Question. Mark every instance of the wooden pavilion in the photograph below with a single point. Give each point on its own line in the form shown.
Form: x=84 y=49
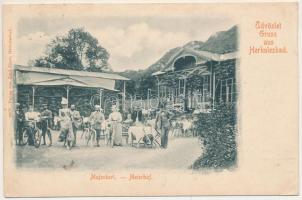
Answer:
x=37 y=85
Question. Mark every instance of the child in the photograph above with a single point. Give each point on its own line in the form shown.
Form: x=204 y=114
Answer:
x=56 y=122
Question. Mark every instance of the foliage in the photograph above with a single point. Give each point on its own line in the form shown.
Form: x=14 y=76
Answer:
x=218 y=133
x=78 y=50
x=139 y=83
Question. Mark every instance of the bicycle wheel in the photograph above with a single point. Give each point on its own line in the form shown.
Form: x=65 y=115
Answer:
x=49 y=137
x=37 y=136
x=25 y=136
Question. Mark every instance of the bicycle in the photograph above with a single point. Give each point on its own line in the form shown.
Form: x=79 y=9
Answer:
x=88 y=132
x=32 y=134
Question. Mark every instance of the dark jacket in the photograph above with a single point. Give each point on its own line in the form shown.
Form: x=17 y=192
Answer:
x=163 y=120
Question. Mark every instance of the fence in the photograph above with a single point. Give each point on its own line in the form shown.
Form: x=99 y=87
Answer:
x=146 y=104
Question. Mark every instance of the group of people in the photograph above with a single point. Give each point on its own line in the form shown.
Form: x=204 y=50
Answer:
x=32 y=118
x=71 y=121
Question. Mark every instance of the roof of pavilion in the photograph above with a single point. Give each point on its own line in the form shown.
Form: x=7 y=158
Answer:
x=40 y=76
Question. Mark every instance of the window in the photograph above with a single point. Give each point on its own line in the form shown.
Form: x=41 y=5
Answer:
x=227 y=90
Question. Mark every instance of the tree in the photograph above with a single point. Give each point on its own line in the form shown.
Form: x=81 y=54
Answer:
x=78 y=50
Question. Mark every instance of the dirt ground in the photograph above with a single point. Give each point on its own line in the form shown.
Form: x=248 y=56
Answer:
x=180 y=154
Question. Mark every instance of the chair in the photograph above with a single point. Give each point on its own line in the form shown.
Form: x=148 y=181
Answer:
x=125 y=132
x=156 y=141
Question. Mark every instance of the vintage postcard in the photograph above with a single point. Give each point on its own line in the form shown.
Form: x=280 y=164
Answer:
x=150 y=99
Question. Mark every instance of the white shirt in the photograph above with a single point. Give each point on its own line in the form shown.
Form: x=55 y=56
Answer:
x=32 y=116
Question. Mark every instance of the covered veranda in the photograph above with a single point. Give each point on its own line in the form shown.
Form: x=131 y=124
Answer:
x=189 y=79
x=38 y=78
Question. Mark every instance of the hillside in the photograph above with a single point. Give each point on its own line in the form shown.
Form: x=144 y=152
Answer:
x=220 y=42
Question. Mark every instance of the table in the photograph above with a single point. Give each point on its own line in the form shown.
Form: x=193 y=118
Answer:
x=139 y=131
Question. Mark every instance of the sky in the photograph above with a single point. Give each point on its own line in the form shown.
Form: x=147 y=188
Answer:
x=132 y=42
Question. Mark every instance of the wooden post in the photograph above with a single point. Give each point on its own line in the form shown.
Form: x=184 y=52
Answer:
x=136 y=120
x=158 y=88
x=227 y=94
x=211 y=80
x=185 y=98
x=131 y=99
x=214 y=88
x=33 y=95
x=221 y=81
x=203 y=90
x=178 y=87
x=232 y=90
x=67 y=93
x=149 y=98
x=124 y=97
x=101 y=94
x=185 y=86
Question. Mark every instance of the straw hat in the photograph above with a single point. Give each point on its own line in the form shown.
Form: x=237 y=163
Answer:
x=64 y=101
x=114 y=107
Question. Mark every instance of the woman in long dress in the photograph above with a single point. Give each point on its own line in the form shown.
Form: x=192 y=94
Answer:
x=115 y=119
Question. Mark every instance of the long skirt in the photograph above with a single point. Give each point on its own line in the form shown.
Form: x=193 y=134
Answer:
x=116 y=133
x=67 y=132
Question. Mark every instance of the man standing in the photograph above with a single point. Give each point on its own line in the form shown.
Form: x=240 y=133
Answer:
x=96 y=119
x=20 y=119
x=162 y=123
x=76 y=121
x=46 y=116
x=32 y=116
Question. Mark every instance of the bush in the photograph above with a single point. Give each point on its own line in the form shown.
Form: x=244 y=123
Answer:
x=217 y=131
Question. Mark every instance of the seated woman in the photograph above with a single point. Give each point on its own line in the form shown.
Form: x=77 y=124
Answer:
x=128 y=122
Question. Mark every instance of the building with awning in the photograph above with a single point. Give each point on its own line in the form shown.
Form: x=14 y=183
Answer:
x=192 y=79
x=33 y=78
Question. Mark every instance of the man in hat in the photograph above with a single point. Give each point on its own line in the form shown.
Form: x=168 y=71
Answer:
x=20 y=119
x=96 y=119
x=31 y=116
x=162 y=124
x=76 y=121
x=46 y=116
x=64 y=108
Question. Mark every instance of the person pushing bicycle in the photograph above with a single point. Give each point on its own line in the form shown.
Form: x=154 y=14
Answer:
x=46 y=118
x=33 y=120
